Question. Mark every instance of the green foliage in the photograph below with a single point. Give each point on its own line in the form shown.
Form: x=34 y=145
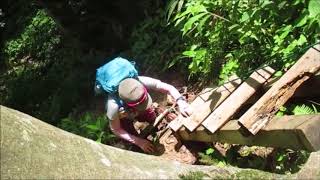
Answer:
x=45 y=74
x=39 y=38
x=298 y=109
x=154 y=46
x=304 y=109
x=283 y=161
x=239 y=36
x=288 y=161
x=89 y=126
x=212 y=157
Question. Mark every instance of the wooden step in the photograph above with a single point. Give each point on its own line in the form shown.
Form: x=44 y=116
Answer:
x=265 y=108
x=294 y=132
x=204 y=103
x=234 y=102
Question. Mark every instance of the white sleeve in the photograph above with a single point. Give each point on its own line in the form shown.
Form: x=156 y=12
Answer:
x=112 y=108
x=157 y=85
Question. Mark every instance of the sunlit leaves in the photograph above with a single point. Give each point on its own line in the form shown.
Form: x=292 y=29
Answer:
x=314 y=8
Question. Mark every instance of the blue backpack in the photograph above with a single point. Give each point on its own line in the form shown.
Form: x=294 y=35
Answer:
x=112 y=73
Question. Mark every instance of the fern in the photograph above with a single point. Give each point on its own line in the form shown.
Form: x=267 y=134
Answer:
x=303 y=109
x=315 y=109
x=173 y=5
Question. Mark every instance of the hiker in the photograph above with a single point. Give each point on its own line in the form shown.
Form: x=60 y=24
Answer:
x=130 y=100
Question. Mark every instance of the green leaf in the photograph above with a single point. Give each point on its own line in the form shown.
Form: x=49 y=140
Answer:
x=202 y=22
x=245 y=16
x=286 y=30
x=314 y=8
x=180 y=5
x=314 y=109
x=221 y=164
x=197 y=8
x=170 y=8
x=301 y=40
x=302 y=21
x=231 y=28
x=302 y=109
x=280 y=114
x=265 y=3
x=191 y=21
x=209 y=151
x=92 y=127
x=278 y=74
x=282 y=4
x=189 y=53
x=280 y=157
x=282 y=108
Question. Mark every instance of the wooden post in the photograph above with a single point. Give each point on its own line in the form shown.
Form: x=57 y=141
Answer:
x=265 y=108
x=294 y=132
x=234 y=102
x=204 y=104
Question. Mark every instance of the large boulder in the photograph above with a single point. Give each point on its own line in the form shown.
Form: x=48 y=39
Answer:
x=33 y=149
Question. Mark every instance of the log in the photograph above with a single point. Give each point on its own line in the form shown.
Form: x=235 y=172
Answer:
x=294 y=132
x=308 y=90
x=265 y=108
x=32 y=149
x=204 y=103
x=234 y=102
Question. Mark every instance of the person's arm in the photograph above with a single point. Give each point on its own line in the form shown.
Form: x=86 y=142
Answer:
x=115 y=126
x=144 y=144
x=157 y=85
x=163 y=87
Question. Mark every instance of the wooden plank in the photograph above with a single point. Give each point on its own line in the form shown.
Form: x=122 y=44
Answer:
x=234 y=102
x=265 y=108
x=214 y=100
x=204 y=103
x=294 y=132
x=308 y=90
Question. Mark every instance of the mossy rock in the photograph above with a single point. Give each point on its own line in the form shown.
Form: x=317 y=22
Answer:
x=33 y=149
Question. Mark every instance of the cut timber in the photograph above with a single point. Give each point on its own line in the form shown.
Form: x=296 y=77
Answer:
x=204 y=103
x=265 y=108
x=308 y=90
x=201 y=111
x=233 y=103
x=294 y=132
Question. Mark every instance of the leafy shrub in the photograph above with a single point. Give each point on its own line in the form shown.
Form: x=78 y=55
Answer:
x=288 y=161
x=247 y=33
x=38 y=39
x=298 y=109
x=89 y=126
x=46 y=73
x=211 y=157
x=282 y=161
x=154 y=46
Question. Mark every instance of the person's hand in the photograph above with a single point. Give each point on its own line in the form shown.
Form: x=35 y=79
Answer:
x=145 y=145
x=184 y=108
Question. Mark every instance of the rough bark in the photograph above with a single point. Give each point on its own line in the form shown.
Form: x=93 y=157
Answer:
x=265 y=108
x=32 y=149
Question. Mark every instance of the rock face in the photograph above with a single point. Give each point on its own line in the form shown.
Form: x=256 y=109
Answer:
x=33 y=149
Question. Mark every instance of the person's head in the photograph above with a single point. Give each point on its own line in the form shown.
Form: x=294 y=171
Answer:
x=134 y=94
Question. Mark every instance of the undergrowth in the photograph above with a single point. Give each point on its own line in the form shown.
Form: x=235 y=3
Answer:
x=89 y=125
